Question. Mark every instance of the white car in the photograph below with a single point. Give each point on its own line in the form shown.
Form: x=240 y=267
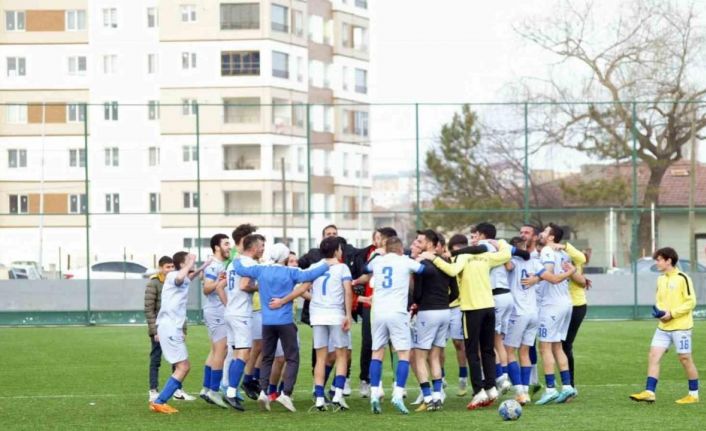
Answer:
x=112 y=270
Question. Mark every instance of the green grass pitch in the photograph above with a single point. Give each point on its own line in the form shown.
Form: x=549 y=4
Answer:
x=96 y=378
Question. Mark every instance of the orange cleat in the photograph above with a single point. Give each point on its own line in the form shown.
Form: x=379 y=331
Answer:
x=163 y=408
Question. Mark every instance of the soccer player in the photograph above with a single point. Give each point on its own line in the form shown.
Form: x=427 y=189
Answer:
x=170 y=326
x=238 y=315
x=455 y=332
x=530 y=234
x=674 y=306
x=431 y=298
x=214 y=291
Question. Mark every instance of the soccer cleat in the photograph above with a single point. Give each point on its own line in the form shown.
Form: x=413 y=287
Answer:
x=479 y=400
x=566 y=395
x=548 y=397
x=263 y=401
x=462 y=387
x=419 y=400
x=163 y=408
x=492 y=395
x=364 y=389
x=320 y=408
x=689 y=399
x=504 y=385
x=250 y=389
x=153 y=394
x=217 y=399
x=523 y=399
x=398 y=403
x=340 y=405
x=375 y=406
x=423 y=407
x=436 y=405
x=286 y=401
x=347 y=388
x=183 y=396
x=644 y=396
x=203 y=395
x=235 y=403
x=533 y=389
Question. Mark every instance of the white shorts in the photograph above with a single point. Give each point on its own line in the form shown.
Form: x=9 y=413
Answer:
x=554 y=323
x=455 y=331
x=430 y=329
x=391 y=327
x=349 y=346
x=521 y=330
x=503 y=310
x=664 y=339
x=171 y=340
x=215 y=324
x=240 y=331
x=329 y=334
x=256 y=325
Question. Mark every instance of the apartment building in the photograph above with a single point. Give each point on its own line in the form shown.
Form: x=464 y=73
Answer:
x=142 y=98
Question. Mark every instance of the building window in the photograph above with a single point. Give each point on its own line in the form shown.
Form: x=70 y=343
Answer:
x=75 y=113
x=188 y=107
x=16 y=66
x=77 y=158
x=111 y=156
x=344 y=78
x=152 y=63
x=280 y=64
x=16 y=114
x=152 y=17
x=14 y=20
x=345 y=165
x=188 y=12
x=363 y=4
x=360 y=123
x=364 y=163
x=240 y=63
x=189 y=153
x=75 y=20
x=110 y=64
x=153 y=153
x=316 y=73
x=77 y=65
x=188 y=60
x=195 y=242
x=155 y=203
x=361 y=81
x=280 y=21
x=360 y=38
x=153 y=110
x=191 y=200
x=241 y=110
x=112 y=203
x=298 y=202
x=110 y=18
x=301 y=160
x=281 y=113
x=110 y=111
x=18 y=204
x=298 y=114
x=78 y=204
x=345 y=35
x=300 y=69
x=17 y=158
x=240 y=16
x=241 y=157
x=298 y=22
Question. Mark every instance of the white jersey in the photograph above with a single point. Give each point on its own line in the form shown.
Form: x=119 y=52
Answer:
x=239 y=301
x=212 y=272
x=327 y=306
x=554 y=294
x=172 y=311
x=498 y=274
x=524 y=298
x=391 y=282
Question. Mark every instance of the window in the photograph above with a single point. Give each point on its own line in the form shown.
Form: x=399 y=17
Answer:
x=300 y=69
x=316 y=29
x=112 y=203
x=301 y=160
x=191 y=200
x=75 y=20
x=240 y=63
x=195 y=242
x=298 y=202
x=109 y=64
x=153 y=153
x=240 y=16
x=153 y=110
x=279 y=18
x=281 y=112
x=110 y=111
x=242 y=110
x=18 y=204
x=344 y=78
x=152 y=63
x=189 y=153
x=316 y=73
x=298 y=114
x=360 y=38
x=298 y=22
x=188 y=12
x=14 y=20
x=111 y=156
x=328 y=118
x=346 y=35
x=77 y=158
x=345 y=165
x=280 y=64
x=155 y=203
x=327 y=162
x=363 y=4
x=361 y=81
x=110 y=18
x=16 y=66
x=16 y=114
x=242 y=202
x=360 y=123
x=241 y=157
x=17 y=158
x=188 y=60
x=152 y=17
x=78 y=204
x=188 y=107
x=75 y=113
x=77 y=65
x=364 y=163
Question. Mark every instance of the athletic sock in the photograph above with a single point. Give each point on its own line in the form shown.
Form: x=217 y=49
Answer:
x=426 y=391
x=247 y=378
x=256 y=374
x=338 y=383
x=327 y=374
x=402 y=374
x=235 y=372
x=514 y=372
x=169 y=388
x=525 y=373
x=550 y=380
x=534 y=376
x=271 y=389
x=651 y=384
x=216 y=377
x=375 y=374
x=498 y=371
x=207 y=377
x=462 y=372
x=437 y=385
x=280 y=388
x=694 y=388
x=565 y=378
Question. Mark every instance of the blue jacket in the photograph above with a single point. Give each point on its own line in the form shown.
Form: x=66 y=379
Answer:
x=277 y=281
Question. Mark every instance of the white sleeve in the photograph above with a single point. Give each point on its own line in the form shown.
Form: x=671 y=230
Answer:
x=414 y=266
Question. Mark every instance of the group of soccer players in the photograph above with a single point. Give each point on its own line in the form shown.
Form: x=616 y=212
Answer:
x=494 y=299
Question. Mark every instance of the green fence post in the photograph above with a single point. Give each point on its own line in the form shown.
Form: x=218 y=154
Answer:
x=87 y=213
x=198 y=189
x=635 y=239
x=417 y=209
x=526 y=167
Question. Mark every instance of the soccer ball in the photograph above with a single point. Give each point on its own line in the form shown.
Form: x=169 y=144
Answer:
x=510 y=410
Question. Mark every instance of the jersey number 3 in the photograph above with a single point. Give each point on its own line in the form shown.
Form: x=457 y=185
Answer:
x=387 y=281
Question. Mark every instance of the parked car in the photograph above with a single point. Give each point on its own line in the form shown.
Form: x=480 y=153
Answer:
x=647 y=264
x=111 y=270
x=29 y=269
x=18 y=272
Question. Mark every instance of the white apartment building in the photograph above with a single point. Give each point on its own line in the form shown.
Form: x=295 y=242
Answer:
x=252 y=69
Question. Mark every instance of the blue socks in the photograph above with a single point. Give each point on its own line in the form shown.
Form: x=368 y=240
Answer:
x=533 y=355
x=565 y=377
x=339 y=382
x=526 y=373
x=498 y=370
x=426 y=389
x=256 y=374
x=513 y=369
x=375 y=372
x=216 y=377
x=280 y=389
x=235 y=372
x=549 y=379
x=206 y=376
x=462 y=372
x=694 y=385
x=327 y=373
x=402 y=373
x=247 y=378
x=271 y=389
x=437 y=385
x=319 y=391
x=169 y=388
x=651 y=384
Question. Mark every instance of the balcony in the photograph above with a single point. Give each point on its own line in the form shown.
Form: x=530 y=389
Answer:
x=241 y=157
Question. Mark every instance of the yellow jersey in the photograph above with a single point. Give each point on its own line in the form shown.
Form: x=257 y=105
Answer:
x=578 y=259
x=675 y=293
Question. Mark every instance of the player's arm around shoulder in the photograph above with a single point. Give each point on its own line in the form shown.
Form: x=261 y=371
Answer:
x=502 y=256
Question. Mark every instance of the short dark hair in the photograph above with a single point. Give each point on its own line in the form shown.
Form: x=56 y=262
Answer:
x=242 y=231
x=667 y=253
x=487 y=229
x=457 y=239
x=329 y=246
x=430 y=235
x=251 y=239
x=516 y=240
x=165 y=260
x=442 y=239
x=556 y=231
x=393 y=242
x=329 y=226
x=216 y=240
x=534 y=228
x=387 y=232
x=179 y=258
